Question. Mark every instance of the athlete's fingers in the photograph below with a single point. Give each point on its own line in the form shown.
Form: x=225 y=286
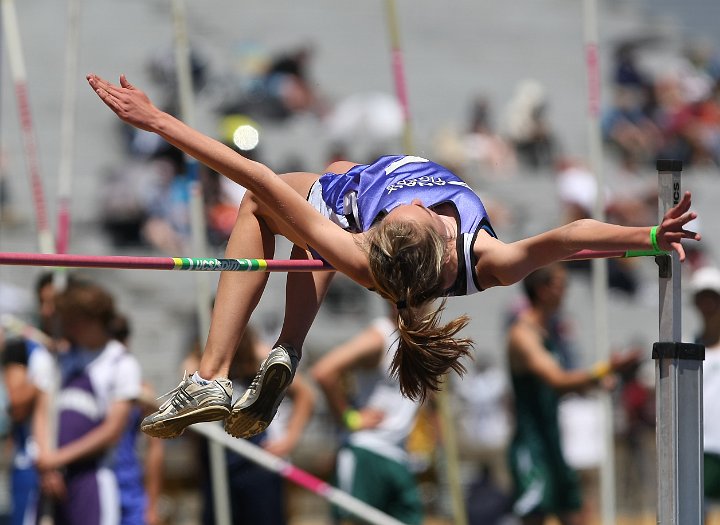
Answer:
x=109 y=100
x=687 y=217
x=124 y=82
x=97 y=81
x=678 y=247
x=101 y=86
x=681 y=207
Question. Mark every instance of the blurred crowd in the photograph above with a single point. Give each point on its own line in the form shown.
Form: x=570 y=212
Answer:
x=89 y=463
x=670 y=113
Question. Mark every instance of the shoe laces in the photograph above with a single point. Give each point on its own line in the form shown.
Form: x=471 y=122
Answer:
x=172 y=393
x=256 y=379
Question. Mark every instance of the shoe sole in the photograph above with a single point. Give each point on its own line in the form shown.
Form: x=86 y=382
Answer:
x=175 y=426
x=251 y=420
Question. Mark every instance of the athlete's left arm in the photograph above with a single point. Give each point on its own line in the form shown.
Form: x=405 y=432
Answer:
x=502 y=264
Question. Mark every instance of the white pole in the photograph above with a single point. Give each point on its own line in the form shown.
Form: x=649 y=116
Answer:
x=17 y=70
x=218 y=464
x=599 y=266
x=67 y=132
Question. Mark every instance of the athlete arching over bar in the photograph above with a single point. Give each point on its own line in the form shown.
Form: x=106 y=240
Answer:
x=403 y=226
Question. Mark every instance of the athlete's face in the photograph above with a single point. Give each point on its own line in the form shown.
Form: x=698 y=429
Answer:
x=415 y=211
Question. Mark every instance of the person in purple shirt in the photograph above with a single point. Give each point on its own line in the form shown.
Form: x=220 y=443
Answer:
x=99 y=380
x=402 y=226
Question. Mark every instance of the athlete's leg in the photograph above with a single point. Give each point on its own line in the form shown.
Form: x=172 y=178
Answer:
x=304 y=293
x=255 y=410
x=238 y=294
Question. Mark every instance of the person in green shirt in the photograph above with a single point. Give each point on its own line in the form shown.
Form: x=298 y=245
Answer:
x=544 y=484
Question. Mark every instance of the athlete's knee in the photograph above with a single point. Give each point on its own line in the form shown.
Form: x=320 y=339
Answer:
x=252 y=206
x=249 y=203
x=340 y=166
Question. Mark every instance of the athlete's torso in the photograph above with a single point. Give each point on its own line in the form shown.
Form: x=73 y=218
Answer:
x=368 y=192
x=395 y=180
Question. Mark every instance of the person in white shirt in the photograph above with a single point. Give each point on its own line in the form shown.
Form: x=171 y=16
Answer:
x=99 y=380
x=705 y=290
x=372 y=463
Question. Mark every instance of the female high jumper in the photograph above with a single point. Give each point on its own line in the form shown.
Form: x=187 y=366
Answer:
x=403 y=226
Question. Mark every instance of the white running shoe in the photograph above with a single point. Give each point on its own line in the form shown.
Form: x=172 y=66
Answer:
x=255 y=410
x=190 y=403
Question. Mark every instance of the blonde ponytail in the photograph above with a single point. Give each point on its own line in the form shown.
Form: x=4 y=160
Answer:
x=427 y=350
x=406 y=263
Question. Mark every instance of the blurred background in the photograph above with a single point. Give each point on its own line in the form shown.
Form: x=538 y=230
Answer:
x=497 y=91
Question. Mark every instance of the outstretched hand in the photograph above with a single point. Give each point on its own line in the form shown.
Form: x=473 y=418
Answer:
x=129 y=103
x=672 y=228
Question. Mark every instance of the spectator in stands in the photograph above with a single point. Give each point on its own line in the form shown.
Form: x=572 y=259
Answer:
x=99 y=379
x=705 y=290
x=577 y=192
x=140 y=482
x=527 y=127
x=544 y=483
x=372 y=463
x=21 y=359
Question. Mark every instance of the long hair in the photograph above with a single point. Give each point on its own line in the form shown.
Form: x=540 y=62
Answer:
x=88 y=301
x=406 y=261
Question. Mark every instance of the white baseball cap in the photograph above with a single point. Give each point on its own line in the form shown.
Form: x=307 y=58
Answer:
x=705 y=279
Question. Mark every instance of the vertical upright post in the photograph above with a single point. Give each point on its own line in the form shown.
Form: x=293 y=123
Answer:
x=678 y=380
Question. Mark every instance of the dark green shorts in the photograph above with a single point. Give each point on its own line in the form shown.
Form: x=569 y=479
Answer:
x=712 y=476
x=544 y=483
x=378 y=481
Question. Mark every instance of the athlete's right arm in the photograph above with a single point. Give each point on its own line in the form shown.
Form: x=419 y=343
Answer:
x=336 y=245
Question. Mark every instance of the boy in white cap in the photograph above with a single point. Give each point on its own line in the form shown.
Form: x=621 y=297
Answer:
x=705 y=289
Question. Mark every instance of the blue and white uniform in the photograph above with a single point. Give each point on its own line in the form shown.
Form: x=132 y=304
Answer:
x=24 y=478
x=91 y=381
x=129 y=472
x=356 y=200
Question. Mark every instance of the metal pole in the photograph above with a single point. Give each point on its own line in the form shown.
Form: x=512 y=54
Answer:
x=212 y=264
x=678 y=379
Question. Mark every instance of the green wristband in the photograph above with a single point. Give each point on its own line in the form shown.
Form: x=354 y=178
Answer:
x=653 y=239
x=352 y=419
